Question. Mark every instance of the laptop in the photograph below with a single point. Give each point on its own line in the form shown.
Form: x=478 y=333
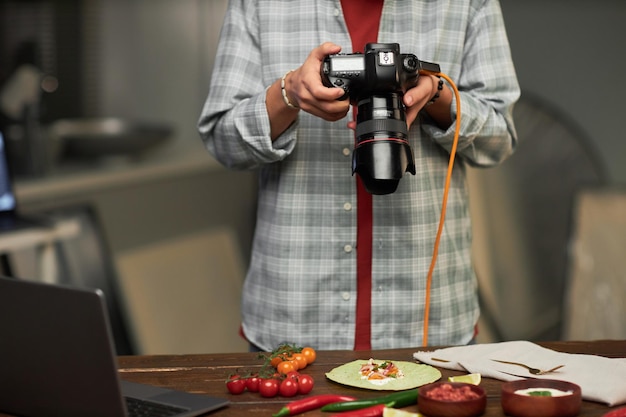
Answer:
x=10 y=219
x=57 y=358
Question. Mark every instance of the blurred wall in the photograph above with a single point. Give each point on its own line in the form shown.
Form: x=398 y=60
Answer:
x=570 y=52
x=568 y=64
x=162 y=51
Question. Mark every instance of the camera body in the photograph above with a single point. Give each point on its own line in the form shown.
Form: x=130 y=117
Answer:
x=381 y=69
x=376 y=81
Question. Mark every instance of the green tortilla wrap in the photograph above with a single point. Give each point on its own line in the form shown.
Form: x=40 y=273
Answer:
x=415 y=375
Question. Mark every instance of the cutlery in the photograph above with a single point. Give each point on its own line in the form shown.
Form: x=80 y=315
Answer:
x=532 y=370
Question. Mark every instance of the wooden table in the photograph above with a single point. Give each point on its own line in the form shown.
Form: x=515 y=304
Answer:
x=206 y=374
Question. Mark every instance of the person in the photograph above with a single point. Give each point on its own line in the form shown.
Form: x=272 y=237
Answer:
x=332 y=266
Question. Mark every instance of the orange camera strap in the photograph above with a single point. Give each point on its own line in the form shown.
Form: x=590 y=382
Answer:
x=442 y=216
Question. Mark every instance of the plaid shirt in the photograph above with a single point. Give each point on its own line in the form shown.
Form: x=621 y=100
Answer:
x=301 y=284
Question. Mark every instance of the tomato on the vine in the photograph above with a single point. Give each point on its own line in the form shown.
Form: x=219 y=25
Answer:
x=288 y=387
x=285 y=367
x=235 y=384
x=252 y=383
x=305 y=384
x=300 y=359
x=276 y=360
x=310 y=354
x=293 y=375
x=269 y=387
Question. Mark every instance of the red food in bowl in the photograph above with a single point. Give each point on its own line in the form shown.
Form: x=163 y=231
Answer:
x=451 y=399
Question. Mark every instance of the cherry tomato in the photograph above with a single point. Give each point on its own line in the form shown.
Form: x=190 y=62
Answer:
x=288 y=388
x=252 y=383
x=305 y=384
x=295 y=363
x=293 y=375
x=300 y=359
x=275 y=361
x=310 y=354
x=268 y=387
x=285 y=367
x=236 y=385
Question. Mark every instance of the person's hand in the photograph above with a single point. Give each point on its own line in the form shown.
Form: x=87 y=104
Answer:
x=305 y=89
x=417 y=97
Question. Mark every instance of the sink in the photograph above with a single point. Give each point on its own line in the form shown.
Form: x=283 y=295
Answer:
x=103 y=137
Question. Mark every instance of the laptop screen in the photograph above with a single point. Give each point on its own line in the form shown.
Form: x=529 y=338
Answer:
x=7 y=197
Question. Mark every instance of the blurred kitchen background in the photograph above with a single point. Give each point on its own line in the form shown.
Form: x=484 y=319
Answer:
x=99 y=101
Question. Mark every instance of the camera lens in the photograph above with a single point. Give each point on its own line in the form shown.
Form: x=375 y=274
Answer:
x=382 y=152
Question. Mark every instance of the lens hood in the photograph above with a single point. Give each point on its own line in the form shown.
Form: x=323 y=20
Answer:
x=381 y=163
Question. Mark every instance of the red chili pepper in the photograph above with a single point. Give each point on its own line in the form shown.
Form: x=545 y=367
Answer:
x=311 y=403
x=373 y=411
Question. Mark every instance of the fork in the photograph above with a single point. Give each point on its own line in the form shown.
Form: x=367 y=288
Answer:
x=532 y=370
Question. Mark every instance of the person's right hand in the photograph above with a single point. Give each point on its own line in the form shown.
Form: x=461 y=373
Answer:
x=304 y=87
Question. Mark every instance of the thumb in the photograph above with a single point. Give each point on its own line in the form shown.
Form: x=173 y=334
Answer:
x=327 y=48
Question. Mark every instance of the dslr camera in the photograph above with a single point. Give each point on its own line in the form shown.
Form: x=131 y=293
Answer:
x=376 y=81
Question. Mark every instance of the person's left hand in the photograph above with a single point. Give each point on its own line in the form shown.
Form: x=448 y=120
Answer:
x=417 y=97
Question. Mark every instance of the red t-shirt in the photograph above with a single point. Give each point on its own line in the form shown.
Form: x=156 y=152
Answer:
x=363 y=19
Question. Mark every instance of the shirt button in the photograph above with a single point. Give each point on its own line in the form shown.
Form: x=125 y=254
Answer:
x=336 y=12
x=346 y=151
x=347 y=248
x=347 y=206
x=345 y=295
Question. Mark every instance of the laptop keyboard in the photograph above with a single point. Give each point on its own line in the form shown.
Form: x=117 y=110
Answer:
x=143 y=408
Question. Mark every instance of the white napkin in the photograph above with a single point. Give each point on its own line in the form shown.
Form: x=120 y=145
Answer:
x=600 y=379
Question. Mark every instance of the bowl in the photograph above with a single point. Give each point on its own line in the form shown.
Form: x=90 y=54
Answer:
x=450 y=399
x=517 y=404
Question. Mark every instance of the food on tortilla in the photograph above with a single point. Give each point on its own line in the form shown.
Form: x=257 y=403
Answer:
x=413 y=374
x=380 y=371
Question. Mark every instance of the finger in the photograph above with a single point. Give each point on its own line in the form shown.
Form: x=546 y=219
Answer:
x=422 y=92
x=327 y=48
x=327 y=93
x=411 y=115
x=331 y=111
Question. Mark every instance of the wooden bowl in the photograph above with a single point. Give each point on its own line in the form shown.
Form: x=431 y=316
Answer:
x=435 y=407
x=522 y=405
